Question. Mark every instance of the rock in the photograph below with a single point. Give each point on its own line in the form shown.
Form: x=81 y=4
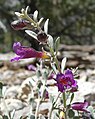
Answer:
x=11 y=92
x=26 y=87
x=11 y=104
x=6 y=75
x=22 y=112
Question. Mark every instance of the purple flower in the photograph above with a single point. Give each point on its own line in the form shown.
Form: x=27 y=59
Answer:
x=74 y=88
x=24 y=52
x=31 y=67
x=80 y=106
x=66 y=81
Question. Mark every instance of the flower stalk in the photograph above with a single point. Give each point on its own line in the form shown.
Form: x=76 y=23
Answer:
x=37 y=108
x=40 y=99
x=53 y=106
x=64 y=103
x=50 y=112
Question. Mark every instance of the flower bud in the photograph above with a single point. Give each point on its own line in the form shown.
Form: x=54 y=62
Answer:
x=62 y=115
x=20 y=24
x=42 y=37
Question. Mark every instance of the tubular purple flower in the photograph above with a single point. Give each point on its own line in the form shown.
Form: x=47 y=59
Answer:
x=80 y=106
x=66 y=81
x=24 y=52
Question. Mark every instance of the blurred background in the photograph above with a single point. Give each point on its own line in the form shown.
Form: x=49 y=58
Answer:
x=72 y=20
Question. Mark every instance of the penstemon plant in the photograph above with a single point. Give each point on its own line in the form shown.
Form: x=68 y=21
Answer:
x=62 y=105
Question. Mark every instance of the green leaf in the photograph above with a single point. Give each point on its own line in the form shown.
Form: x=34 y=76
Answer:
x=46 y=26
x=72 y=97
x=35 y=15
x=63 y=63
x=92 y=111
x=57 y=42
x=71 y=113
x=31 y=33
x=38 y=73
x=45 y=74
x=40 y=21
x=1 y=87
x=50 y=41
x=54 y=68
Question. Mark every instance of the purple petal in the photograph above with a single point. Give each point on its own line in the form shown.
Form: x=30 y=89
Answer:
x=15 y=59
x=60 y=76
x=60 y=88
x=68 y=73
x=16 y=46
x=31 y=67
x=74 y=89
x=81 y=106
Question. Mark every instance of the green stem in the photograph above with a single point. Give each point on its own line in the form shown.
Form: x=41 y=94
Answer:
x=64 y=99
x=50 y=112
x=56 y=99
x=40 y=100
x=64 y=103
x=55 y=59
x=37 y=108
x=32 y=21
x=57 y=64
x=52 y=106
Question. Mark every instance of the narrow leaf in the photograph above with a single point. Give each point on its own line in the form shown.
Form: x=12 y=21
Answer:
x=50 y=41
x=26 y=10
x=63 y=64
x=40 y=21
x=31 y=33
x=54 y=68
x=72 y=97
x=18 y=14
x=57 y=42
x=22 y=11
x=35 y=15
x=46 y=26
